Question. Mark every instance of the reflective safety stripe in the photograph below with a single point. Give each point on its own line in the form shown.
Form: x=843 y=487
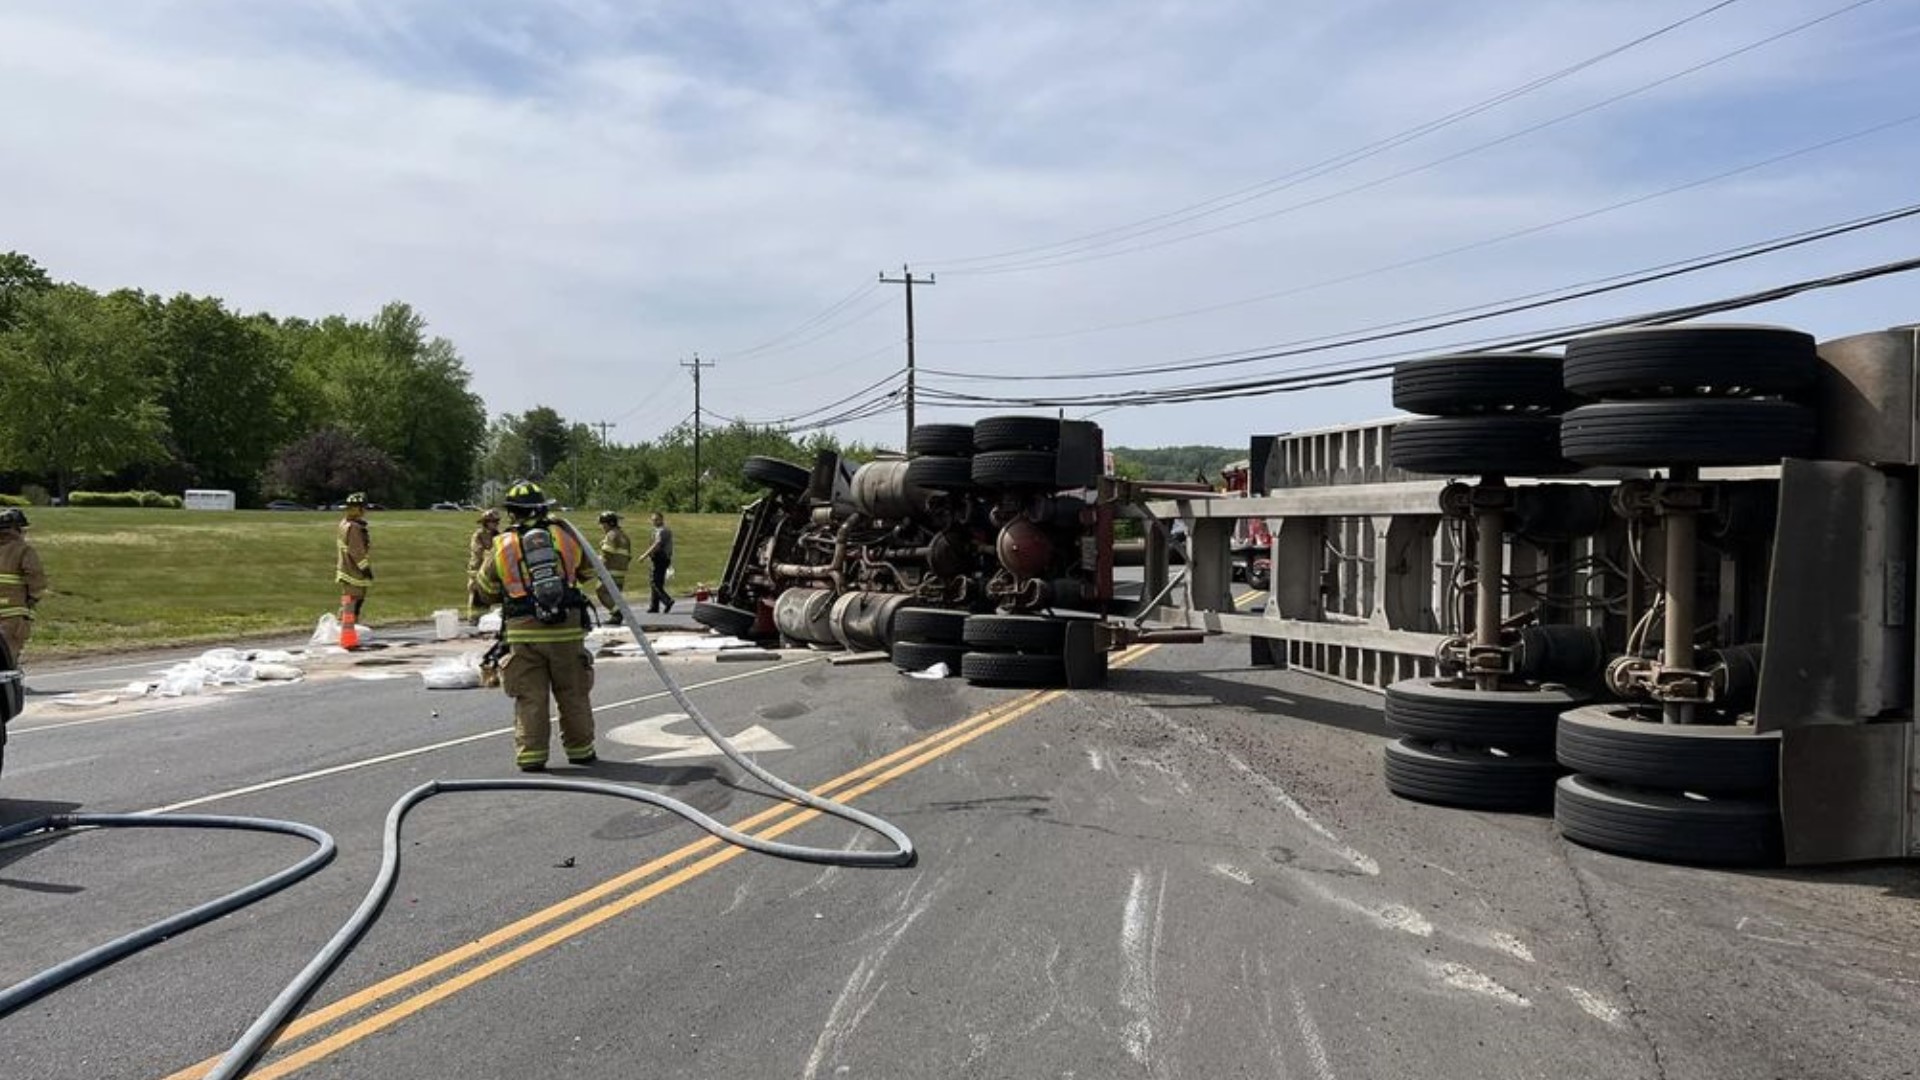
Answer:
x=12 y=579
x=540 y=634
x=530 y=757
x=345 y=578
x=17 y=613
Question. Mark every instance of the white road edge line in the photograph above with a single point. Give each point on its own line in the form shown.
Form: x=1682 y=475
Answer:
x=383 y=759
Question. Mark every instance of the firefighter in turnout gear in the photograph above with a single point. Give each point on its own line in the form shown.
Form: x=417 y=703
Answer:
x=616 y=550
x=539 y=573
x=354 y=570
x=479 y=549
x=22 y=583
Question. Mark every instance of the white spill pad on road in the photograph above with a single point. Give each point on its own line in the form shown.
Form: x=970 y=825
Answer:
x=210 y=672
x=678 y=643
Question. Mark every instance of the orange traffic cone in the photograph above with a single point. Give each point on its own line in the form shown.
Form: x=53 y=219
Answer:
x=349 y=633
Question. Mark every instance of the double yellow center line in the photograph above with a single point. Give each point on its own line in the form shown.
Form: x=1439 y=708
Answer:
x=586 y=910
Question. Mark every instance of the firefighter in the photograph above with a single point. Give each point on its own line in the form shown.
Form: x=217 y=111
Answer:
x=22 y=582
x=541 y=576
x=616 y=550
x=479 y=547
x=354 y=571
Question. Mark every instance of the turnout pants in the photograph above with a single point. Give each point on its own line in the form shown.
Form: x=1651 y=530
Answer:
x=16 y=629
x=531 y=672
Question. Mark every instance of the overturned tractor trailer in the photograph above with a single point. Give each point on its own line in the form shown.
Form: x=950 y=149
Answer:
x=990 y=548
x=1662 y=583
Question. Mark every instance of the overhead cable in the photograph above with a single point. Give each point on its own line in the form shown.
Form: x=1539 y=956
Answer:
x=1338 y=161
x=1372 y=368
x=1092 y=253
x=1475 y=313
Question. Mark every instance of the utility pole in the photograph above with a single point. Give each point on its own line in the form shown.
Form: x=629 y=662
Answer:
x=906 y=278
x=696 y=365
x=600 y=473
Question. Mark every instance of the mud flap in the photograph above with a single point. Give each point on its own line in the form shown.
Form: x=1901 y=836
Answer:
x=1084 y=654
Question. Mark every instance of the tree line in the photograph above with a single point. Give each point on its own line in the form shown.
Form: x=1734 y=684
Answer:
x=127 y=390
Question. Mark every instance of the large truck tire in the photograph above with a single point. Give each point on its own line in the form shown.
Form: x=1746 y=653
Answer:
x=1014 y=669
x=1493 y=445
x=1447 y=710
x=776 y=475
x=1475 y=383
x=1016 y=633
x=1471 y=778
x=1667 y=826
x=1687 y=431
x=731 y=621
x=1614 y=742
x=1691 y=361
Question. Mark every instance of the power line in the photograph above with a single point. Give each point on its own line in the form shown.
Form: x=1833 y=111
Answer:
x=786 y=421
x=819 y=317
x=1345 y=158
x=1380 y=367
x=1478 y=312
x=1475 y=245
x=812 y=374
x=1091 y=254
x=825 y=332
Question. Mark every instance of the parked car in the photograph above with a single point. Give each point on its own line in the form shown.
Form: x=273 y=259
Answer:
x=446 y=506
x=287 y=504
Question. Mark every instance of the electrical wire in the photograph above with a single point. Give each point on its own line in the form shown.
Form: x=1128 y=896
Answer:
x=1075 y=259
x=1435 y=256
x=797 y=417
x=811 y=373
x=1479 y=312
x=1373 y=368
x=1341 y=160
x=822 y=334
x=837 y=306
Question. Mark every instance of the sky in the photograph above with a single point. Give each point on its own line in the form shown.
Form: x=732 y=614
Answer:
x=585 y=195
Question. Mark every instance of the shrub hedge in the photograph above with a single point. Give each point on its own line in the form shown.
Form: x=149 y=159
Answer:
x=151 y=499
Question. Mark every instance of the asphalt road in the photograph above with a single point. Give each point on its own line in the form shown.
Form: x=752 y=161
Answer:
x=1192 y=873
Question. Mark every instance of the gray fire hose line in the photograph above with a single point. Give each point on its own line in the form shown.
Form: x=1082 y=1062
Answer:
x=59 y=975
x=239 y=1059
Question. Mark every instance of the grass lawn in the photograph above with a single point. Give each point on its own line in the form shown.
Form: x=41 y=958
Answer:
x=121 y=578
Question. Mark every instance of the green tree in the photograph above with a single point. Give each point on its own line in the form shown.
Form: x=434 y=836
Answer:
x=547 y=437
x=324 y=465
x=77 y=389
x=222 y=375
x=1184 y=464
x=20 y=277
x=384 y=383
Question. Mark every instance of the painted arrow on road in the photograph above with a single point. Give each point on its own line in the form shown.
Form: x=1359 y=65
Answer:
x=652 y=734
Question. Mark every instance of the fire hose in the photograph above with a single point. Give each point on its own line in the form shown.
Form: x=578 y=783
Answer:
x=245 y=1051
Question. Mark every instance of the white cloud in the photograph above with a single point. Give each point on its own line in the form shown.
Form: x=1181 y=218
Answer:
x=581 y=200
